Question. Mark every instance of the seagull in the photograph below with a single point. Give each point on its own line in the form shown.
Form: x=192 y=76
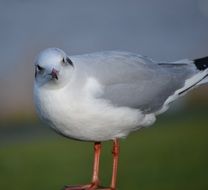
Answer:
x=106 y=95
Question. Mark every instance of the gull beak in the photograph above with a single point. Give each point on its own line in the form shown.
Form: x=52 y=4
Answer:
x=54 y=74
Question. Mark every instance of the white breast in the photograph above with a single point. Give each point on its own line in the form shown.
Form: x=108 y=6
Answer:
x=80 y=115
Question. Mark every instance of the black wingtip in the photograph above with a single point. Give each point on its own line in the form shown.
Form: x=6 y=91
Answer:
x=201 y=63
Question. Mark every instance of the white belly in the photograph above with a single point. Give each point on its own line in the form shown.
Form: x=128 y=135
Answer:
x=87 y=118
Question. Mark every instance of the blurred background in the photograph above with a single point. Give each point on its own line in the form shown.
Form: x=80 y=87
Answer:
x=171 y=155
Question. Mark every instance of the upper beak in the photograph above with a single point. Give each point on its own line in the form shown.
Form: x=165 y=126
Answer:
x=54 y=73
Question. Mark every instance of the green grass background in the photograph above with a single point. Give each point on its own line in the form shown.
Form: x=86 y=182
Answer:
x=172 y=155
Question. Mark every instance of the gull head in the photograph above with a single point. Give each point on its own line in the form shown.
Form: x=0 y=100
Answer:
x=53 y=68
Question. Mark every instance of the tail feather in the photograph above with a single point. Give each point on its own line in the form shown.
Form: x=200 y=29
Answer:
x=201 y=63
x=200 y=77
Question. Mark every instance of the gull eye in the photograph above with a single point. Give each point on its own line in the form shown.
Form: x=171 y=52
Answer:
x=39 y=68
x=67 y=61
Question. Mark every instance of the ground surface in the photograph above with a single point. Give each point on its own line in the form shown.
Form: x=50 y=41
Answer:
x=171 y=155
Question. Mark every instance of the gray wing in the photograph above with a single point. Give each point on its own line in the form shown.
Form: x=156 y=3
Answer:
x=135 y=81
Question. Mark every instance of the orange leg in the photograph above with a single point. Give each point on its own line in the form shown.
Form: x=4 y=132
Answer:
x=115 y=153
x=95 y=177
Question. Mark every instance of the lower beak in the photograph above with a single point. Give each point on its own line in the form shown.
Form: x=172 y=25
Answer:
x=54 y=74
